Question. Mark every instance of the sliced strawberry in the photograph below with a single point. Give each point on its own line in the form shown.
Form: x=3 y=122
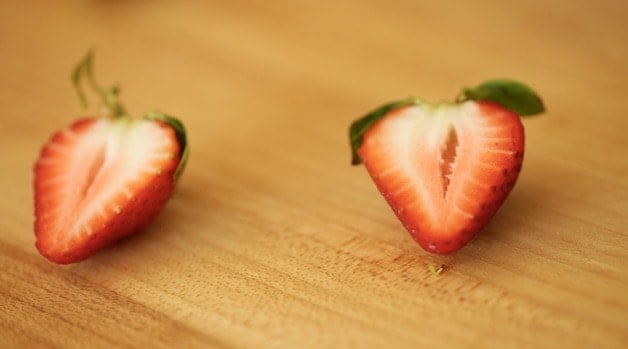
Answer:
x=103 y=178
x=444 y=170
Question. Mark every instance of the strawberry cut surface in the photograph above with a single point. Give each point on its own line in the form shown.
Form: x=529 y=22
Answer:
x=446 y=169
x=100 y=180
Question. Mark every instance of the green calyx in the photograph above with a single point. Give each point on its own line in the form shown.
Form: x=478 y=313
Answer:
x=113 y=109
x=180 y=133
x=510 y=94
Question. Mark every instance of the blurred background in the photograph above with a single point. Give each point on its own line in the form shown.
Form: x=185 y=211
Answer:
x=227 y=66
x=267 y=90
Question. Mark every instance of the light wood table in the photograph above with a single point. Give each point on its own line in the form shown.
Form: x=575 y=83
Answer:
x=272 y=239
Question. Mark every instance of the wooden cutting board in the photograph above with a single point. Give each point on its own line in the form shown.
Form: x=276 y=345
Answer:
x=272 y=239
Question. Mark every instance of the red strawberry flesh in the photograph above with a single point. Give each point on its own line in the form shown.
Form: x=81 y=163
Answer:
x=100 y=180
x=445 y=170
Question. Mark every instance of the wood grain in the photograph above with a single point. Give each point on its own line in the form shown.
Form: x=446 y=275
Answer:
x=272 y=239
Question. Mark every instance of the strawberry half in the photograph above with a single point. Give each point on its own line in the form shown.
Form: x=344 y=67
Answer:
x=104 y=178
x=446 y=169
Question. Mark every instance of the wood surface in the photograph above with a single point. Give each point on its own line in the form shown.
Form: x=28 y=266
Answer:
x=272 y=239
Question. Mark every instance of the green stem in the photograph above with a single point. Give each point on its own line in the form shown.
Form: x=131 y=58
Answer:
x=462 y=96
x=109 y=96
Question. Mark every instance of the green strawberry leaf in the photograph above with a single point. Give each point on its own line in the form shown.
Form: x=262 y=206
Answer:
x=358 y=127
x=180 y=133
x=511 y=94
